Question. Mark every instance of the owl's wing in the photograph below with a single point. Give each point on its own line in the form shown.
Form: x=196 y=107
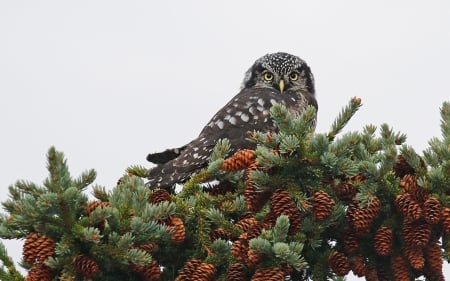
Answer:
x=246 y=112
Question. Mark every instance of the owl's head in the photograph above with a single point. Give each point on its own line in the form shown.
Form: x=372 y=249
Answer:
x=282 y=72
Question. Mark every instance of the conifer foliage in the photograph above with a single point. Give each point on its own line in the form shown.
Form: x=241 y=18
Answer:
x=301 y=206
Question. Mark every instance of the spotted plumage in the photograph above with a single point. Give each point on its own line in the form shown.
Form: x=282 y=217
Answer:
x=273 y=78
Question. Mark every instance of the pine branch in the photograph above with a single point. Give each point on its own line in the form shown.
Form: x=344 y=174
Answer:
x=344 y=116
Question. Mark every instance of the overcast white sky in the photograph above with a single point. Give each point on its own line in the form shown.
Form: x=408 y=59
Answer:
x=106 y=82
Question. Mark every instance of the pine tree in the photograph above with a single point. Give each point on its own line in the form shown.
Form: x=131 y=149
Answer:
x=302 y=205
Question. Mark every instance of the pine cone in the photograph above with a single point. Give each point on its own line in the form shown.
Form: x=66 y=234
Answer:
x=338 y=262
x=245 y=224
x=408 y=207
x=179 y=232
x=344 y=191
x=188 y=270
x=383 y=241
x=254 y=199
x=92 y=205
x=402 y=168
x=269 y=274
x=282 y=204
x=236 y=272
x=40 y=272
x=432 y=210
x=239 y=160
x=362 y=218
x=254 y=231
x=149 y=247
x=38 y=248
x=152 y=271
x=433 y=262
x=219 y=233
x=445 y=218
x=253 y=258
x=85 y=266
x=220 y=189
x=358 y=266
x=160 y=195
x=409 y=183
x=415 y=256
x=400 y=269
x=371 y=273
x=204 y=272
x=416 y=233
x=322 y=205
x=350 y=241
x=239 y=249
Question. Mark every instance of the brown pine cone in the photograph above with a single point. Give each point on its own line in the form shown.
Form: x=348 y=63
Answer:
x=383 y=241
x=432 y=210
x=204 y=272
x=253 y=258
x=400 y=269
x=409 y=183
x=220 y=189
x=30 y=247
x=433 y=262
x=150 y=272
x=92 y=205
x=445 y=218
x=322 y=205
x=179 y=231
x=38 y=248
x=282 y=204
x=408 y=207
x=269 y=274
x=371 y=273
x=338 y=262
x=362 y=218
x=85 y=266
x=239 y=160
x=402 y=168
x=350 y=241
x=344 y=191
x=358 y=266
x=239 y=249
x=415 y=256
x=246 y=224
x=160 y=195
x=254 y=198
x=416 y=233
x=149 y=247
x=40 y=272
x=219 y=233
x=236 y=272
x=188 y=270
x=254 y=231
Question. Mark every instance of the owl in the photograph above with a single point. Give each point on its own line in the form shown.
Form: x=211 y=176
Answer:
x=274 y=78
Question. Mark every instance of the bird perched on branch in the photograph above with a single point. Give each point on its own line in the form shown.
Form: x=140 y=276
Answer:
x=274 y=78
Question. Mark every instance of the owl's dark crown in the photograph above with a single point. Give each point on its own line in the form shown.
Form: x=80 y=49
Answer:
x=280 y=63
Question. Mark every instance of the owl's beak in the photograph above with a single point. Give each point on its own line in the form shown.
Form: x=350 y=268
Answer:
x=281 y=85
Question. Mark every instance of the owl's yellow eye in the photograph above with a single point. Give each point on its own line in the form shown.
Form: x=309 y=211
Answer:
x=268 y=76
x=293 y=76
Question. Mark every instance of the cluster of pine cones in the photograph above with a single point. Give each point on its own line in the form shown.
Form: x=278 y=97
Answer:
x=377 y=245
x=399 y=244
x=38 y=248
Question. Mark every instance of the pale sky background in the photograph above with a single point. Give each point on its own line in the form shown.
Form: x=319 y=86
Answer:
x=106 y=82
